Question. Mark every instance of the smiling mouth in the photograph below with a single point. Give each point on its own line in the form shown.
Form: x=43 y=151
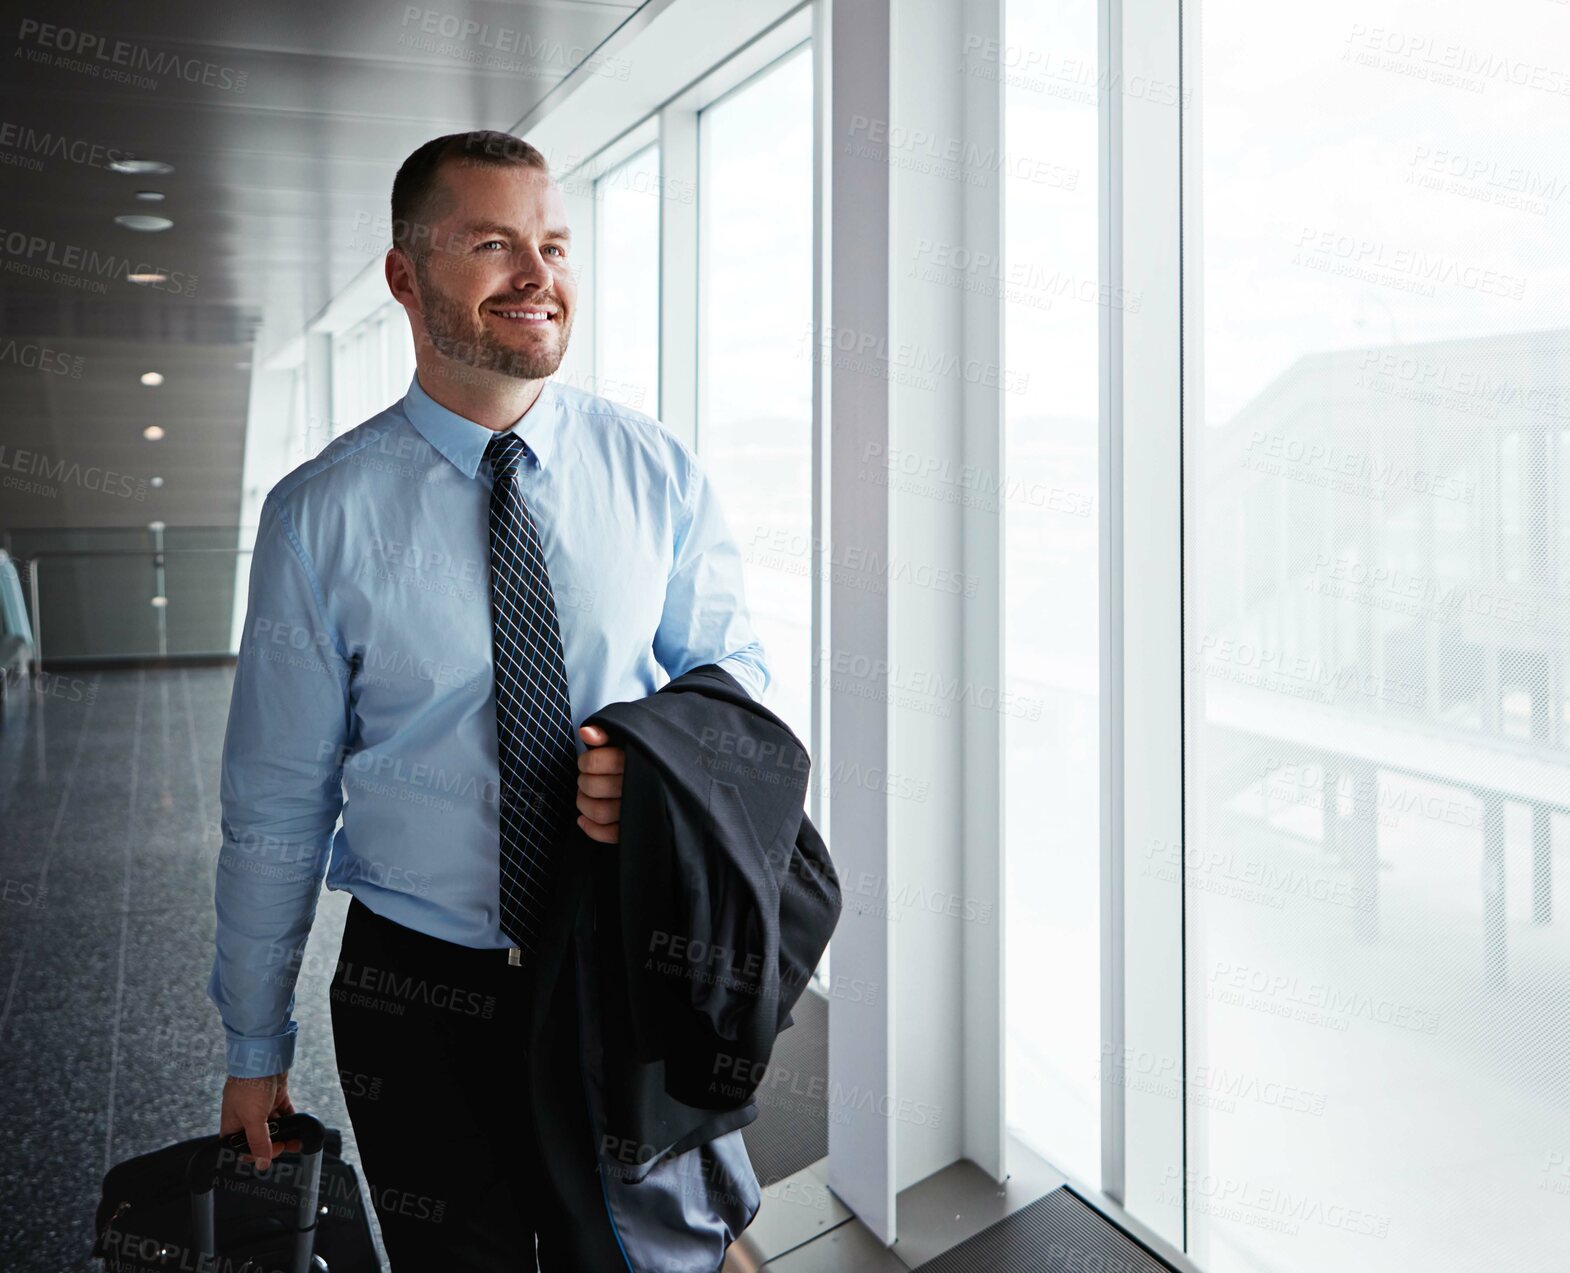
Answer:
x=525 y=316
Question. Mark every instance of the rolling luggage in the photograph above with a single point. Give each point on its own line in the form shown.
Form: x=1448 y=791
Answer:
x=167 y=1210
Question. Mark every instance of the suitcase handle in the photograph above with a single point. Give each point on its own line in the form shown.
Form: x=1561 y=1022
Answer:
x=202 y=1171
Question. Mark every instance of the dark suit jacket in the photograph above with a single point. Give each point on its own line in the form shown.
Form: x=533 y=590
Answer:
x=708 y=917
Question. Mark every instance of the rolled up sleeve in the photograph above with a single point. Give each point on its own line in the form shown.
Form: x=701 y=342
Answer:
x=281 y=793
x=706 y=619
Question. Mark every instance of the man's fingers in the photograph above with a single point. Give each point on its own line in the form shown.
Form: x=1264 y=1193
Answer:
x=601 y=811
x=601 y=786
x=600 y=771
x=605 y=833
x=261 y=1145
x=603 y=760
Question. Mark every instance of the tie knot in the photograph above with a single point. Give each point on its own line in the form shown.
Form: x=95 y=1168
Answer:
x=503 y=452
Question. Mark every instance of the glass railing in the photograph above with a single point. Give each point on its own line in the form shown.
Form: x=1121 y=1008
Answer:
x=132 y=592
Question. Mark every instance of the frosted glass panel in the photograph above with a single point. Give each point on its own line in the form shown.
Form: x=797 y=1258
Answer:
x=627 y=306
x=755 y=380
x=1048 y=504
x=1378 y=950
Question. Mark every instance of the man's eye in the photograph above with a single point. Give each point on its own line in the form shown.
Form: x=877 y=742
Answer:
x=554 y=248
x=490 y=242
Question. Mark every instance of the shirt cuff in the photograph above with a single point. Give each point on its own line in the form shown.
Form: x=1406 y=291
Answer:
x=746 y=671
x=261 y=1058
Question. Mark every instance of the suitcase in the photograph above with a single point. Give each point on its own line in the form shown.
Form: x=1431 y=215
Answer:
x=167 y=1210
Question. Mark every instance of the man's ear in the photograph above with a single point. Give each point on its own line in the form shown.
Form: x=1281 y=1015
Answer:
x=399 y=272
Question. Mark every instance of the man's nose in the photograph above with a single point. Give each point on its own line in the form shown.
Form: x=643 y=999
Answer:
x=529 y=266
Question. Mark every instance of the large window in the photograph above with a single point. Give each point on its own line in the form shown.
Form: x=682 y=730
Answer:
x=1377 y=950
x=372 y=364
x=1048 y=504
x=754 y=369
x=627 y=288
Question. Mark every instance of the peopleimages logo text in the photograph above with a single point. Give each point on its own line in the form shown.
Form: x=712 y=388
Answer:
x=36 y=251
x=90 y=477
x=128 y=55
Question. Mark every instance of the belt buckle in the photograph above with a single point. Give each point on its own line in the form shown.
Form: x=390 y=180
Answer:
x=514 y=957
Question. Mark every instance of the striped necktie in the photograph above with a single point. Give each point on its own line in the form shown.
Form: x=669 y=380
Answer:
x=536 y=749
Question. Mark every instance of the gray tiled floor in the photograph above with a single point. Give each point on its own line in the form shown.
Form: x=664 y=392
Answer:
x=109 y=1046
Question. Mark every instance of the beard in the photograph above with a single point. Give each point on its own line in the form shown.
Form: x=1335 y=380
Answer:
x=457 y=333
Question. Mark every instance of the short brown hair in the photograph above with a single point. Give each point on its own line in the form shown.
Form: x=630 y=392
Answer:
x=415 y=188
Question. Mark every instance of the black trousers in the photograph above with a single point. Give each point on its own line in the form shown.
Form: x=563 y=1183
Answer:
x=430 y=1039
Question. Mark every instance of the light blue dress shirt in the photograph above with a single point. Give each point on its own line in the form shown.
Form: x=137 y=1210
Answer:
x=364 y=684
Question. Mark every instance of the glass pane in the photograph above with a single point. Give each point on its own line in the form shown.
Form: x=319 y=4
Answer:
x=755 y=381
x=342 y=380
x=199 y=588
x=123 y=592
x=627 y=308
x=1052 y=781
x=1378 y=798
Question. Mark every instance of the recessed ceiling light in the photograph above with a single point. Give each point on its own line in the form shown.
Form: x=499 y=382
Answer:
x=147 y=277
x=155 y=481
x=142 y=167
x=155 y=526
x=153 y=432
x=160 y=602
x=140 y=221
x=150 y=196
x=152 y=378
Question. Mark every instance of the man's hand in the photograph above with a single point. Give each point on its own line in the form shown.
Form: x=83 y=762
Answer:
x=599 y=786
x=250 y=1103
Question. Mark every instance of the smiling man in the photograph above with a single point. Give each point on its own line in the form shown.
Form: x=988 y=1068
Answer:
x=437 y=601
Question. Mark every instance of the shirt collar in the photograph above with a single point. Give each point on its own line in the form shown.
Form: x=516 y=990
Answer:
x=463 y=441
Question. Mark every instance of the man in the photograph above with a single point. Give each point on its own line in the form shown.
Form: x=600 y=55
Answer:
x=437 y=601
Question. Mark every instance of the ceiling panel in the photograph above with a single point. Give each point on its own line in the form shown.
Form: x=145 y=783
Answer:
x=285 y=123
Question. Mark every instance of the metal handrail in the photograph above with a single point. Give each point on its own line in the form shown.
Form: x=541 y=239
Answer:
x=76 y=530
x=127 y=552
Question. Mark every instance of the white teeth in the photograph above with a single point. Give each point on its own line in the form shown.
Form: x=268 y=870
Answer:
x=535 y=315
